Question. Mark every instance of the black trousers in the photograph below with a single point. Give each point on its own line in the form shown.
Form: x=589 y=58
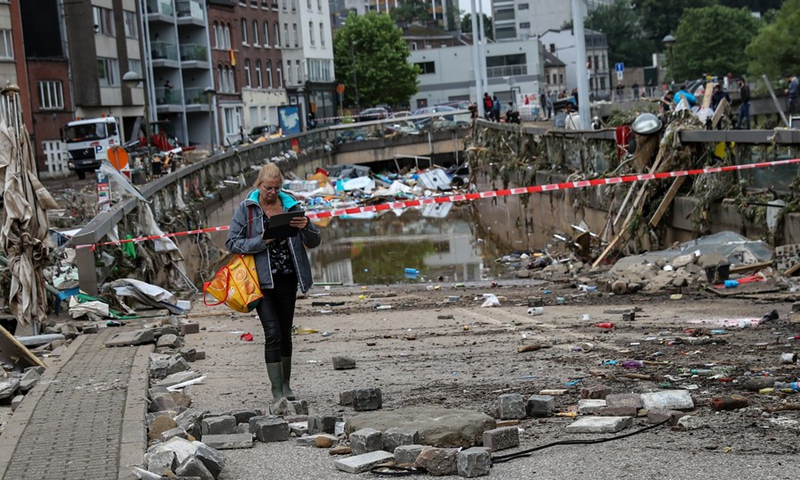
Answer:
x=276 y=312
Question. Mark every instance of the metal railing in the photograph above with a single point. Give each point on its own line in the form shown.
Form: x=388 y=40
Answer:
x=190 y=9
x=168 y=96
x=506 y=71
x=163 y=51
x=164 y=7
x=193 y=52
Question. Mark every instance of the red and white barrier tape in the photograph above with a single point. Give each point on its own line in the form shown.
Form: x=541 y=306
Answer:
x=467 y=197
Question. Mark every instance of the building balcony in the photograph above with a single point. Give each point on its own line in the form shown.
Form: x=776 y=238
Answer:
x=160 y=10
x=501 y=16
x=168 y=100
x=163 y=51
x=506 y=71
x=196 y=100
x=190 y=12
x=192 y=52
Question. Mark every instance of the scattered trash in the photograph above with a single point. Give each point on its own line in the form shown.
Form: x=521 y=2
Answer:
x=788 y=358
x=535 y=311
x=605 y=325
x=247 y=337
x=491 y=300
x=411 y=273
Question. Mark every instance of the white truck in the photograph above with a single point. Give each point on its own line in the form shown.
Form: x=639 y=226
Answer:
x=88 y=141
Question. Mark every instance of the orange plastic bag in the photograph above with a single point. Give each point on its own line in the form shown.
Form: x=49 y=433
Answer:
x=235 y=285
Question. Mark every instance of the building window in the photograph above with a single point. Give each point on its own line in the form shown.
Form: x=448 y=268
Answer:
x=286 y=34
x=311 y=32
x=231 y=120
x=560 y=78
x=226 y=37
x=247 y=73
x=525 y=25
x=319 y=5
x=266 y=34
x=322 y=34
x=135 y=66
x=231 y=80
x=268 y=71
x=280 y=74
x=221 y=80
x=296 y=39
x=222 y=37
x=426 y=67
x=103 y=21
x=130 y=24
x=309 y=4
x=255 y=33
x=259 y=81
x=6 y=45
x=289 y=76
x=522 y=6
x=294 y=5
x=299 y=71
x=244 y=32
x=414 y=46
x=277 y=39
x=283 y=5
x=108 y=72
x=51 y=95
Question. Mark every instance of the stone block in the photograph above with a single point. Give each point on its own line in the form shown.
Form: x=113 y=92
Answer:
x=365 y=399
x=16 y=401
x=690 y=422
x=173 y=432
x=91 y=328
x=164 y=330
x=595 y=392
x=312 y=440
x=501 y=438
x=160 y=425
x=183 y=448
x=540 y=405
x=347 y=398
x=212 y=458
x=189 y=328
x=8 y=388
x=366 y=440
x=322 y=424
x=244 y=416
x=169 y=341
x=177 y=364
x=474 y=462
x=272 y=430
x=298 y=429
x=29 y=379
x=163 y=402
x=362 y=463
x=229 y=442
x=397 y=436
x=69 y=331
x=668 y=400
x=624 y=400
x=510 y=406
x=161 y=463
x=590 y=405
x=127 y=339
x=343 y=363
x=617 y=412
x=193 y=467
x=200 y=355
x=300 y=406
x=658 y=416
x=221 y=425
x=438 y=461
x=599 y=424
x=554 y=391
x=407 y=454
x=188 y=354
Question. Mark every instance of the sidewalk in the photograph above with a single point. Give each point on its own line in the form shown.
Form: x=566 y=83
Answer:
x=85 y=417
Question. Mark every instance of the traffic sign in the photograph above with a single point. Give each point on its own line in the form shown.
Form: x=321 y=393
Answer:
x=619 y=76
x=619 y=67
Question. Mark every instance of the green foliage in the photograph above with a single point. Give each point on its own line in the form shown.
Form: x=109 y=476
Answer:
x=711 y=40
x=660 y=17
x=753 y=5
x=411 y=11
x=626 y=42
x=466 y=25
x=373 y=46
x=775 y=51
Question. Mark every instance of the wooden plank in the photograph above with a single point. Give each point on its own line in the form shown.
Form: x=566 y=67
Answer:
x=15 y=353
x=750 y=267
x=707 y=93
x=667 y=201
x=792 y=270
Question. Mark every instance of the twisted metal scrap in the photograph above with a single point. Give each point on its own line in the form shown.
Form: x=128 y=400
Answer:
x=24 y=216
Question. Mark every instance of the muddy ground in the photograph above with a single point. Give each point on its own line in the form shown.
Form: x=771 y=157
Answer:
x=439 y=347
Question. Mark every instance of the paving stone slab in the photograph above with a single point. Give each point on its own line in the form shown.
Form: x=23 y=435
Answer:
x=362 y=463
x=229 y=442
x=590 y=405
x=501 y=438
x=599 y=424
x=668 y=400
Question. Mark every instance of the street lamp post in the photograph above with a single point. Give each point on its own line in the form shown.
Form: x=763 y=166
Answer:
x=669 y=42
x=210 y=93
x=131 y=80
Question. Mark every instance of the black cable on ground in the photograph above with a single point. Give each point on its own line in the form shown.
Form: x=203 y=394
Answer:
x=527 y=453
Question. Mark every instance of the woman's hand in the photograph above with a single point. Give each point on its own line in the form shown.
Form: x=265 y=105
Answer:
x=299 y=222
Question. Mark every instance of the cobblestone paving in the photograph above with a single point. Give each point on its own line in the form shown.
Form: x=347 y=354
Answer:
x=75 y=430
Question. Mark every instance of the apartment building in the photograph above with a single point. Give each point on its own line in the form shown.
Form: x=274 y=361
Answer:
x=561 y=43
x=521 y=19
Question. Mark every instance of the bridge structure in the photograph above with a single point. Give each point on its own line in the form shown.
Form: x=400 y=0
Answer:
x=204 y=186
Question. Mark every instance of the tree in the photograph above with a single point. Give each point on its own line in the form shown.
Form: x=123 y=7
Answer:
x=626 y=42
x=466 y=25
x=411 y=11
x=660 y=17
x=711 y=40
x=753 y=5
x=369 y=51
x=774 y=51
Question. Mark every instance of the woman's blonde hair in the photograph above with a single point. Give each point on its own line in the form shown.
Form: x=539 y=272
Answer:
x=269 y=171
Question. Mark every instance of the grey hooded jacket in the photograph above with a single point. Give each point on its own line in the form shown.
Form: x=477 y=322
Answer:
x=247 y=227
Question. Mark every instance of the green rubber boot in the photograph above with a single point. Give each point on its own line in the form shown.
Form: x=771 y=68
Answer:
x=286 y=362
x=275 y=373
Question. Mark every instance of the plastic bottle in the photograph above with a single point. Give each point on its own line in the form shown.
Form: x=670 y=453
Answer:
x=632 y=364
x=703 y=372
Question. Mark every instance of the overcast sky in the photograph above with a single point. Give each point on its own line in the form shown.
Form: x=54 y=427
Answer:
x=465 y=6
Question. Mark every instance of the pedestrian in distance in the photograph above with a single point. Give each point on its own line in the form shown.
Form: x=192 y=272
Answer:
x=496 y=107
x=550 y=105
x=487 y=106
x=666 y=102
x=791 y=94
x=744 y=107
x=282 y=266
x=167 y=92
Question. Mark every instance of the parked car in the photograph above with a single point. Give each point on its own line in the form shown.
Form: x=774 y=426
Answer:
x=372 y=114
x=434 y=109
x=403 y=114
x=457 y=104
